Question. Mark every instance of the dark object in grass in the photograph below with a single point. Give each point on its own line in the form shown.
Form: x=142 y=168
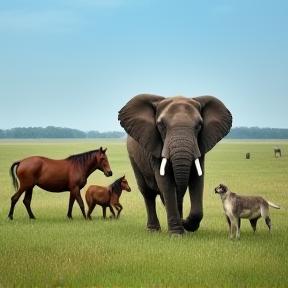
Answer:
x=277 y=152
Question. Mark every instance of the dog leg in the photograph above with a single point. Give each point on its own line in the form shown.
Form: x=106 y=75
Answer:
x=231 y=231
x=253 y=223
x=268 y=222
x=238 y=228
x=230 y=226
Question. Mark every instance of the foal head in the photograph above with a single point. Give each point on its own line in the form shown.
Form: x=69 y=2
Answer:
x=124 y=184
x=103 y=163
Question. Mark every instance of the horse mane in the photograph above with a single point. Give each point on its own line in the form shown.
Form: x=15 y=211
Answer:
x=116 y=183
x=82 y=158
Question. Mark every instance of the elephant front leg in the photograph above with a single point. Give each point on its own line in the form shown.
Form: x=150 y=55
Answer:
x=153 y=223
x=192 y=222
x=149 y=196
x=167 y=186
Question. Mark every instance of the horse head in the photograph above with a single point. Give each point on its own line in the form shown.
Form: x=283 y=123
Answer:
x=103 y=162
x=124 y=184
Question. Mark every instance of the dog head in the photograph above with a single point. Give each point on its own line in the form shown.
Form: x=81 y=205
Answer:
x=221 y=189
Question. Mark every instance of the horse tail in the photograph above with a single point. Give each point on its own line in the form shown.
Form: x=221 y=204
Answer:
x=14 y=176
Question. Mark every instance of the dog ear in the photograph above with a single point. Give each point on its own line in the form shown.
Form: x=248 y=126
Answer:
x=223 y=187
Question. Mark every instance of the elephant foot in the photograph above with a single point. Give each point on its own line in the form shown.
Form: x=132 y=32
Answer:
x=176 y=235
x=151 y=230
x=192 y=224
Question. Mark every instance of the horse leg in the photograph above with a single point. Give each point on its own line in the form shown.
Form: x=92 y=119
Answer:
x=90 y=210
x=27 y=202
x=14 y=200
x=112 y=211
x=119 y=209
x=104 y=211
x=80 y=202
x=71 y=203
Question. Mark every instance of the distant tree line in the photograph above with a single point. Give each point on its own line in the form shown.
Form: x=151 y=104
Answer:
x=58 y=132
x=257 y=133
x=55 y=132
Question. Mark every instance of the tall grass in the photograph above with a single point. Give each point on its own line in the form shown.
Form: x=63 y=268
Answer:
x=52 y=251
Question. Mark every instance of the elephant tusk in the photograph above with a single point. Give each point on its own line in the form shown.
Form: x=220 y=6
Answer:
x=162 y=167
x=198 y=167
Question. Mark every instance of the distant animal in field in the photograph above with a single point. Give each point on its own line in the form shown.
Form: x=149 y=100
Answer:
x=277 y=152
x=52 y=175
x=247 y=207
x=106 y=197
x=248 y=155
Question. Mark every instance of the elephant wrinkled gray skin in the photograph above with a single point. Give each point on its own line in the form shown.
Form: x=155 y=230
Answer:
x=178 y=130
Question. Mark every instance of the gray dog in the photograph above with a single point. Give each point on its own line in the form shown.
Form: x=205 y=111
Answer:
x=248 y=207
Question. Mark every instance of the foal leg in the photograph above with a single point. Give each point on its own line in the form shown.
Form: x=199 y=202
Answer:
x=119 y=209
x=27 y=202
x=112 y=211
x=90 y=210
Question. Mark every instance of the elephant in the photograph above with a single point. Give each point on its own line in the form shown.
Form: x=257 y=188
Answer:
x=165 y=137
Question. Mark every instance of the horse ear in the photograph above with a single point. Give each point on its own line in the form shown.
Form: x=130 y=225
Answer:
x=102 y=151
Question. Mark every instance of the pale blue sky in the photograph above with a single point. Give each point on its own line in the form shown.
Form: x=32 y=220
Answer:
x=74 y=64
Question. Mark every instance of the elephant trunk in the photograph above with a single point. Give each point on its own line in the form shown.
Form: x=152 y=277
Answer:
x=183 y=150
x=181 y=169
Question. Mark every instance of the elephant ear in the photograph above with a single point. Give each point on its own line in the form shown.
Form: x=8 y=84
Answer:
x=137 y=118
x=217 y=122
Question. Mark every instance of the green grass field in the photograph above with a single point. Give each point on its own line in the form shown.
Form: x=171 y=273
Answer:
x=52 y=251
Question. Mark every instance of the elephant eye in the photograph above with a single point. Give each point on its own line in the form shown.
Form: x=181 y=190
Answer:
x=199 y=125
x=162 y=128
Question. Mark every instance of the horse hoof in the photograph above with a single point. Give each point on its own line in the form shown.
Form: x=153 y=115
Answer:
x=10 y=217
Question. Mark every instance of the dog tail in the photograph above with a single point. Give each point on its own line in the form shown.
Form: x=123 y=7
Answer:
x=273 y=205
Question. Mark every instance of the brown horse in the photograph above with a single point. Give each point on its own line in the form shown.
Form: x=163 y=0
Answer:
x=68 y=174
x=106 y=197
